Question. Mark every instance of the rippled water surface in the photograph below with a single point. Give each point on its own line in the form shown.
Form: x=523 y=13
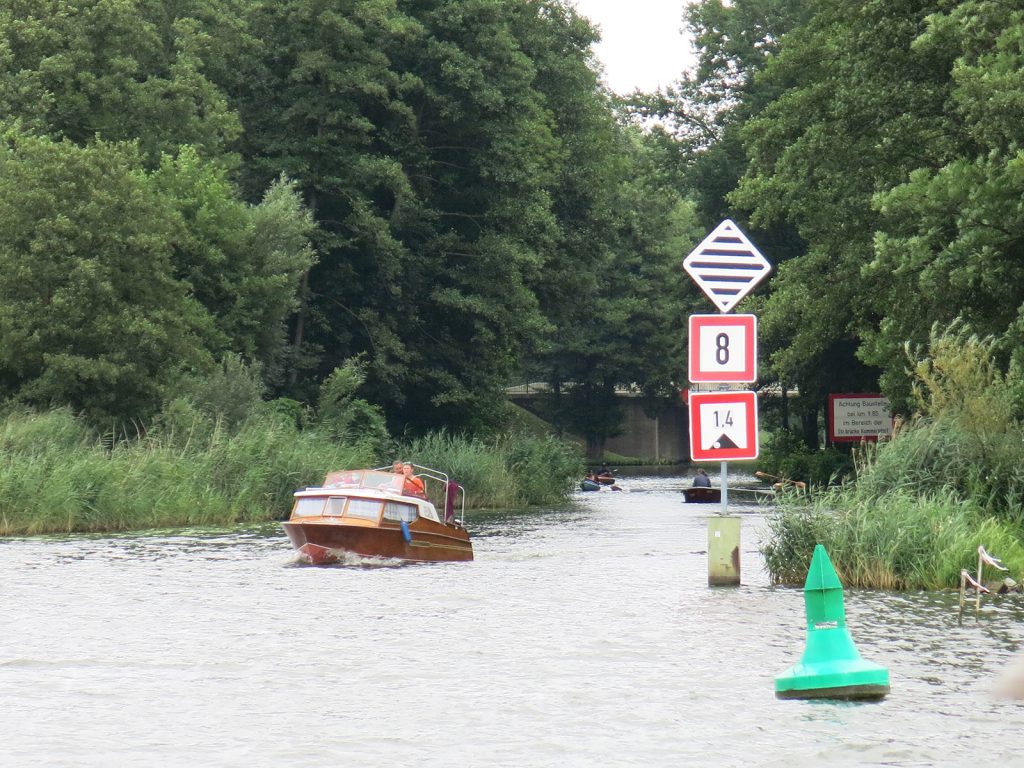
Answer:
x=582 y=636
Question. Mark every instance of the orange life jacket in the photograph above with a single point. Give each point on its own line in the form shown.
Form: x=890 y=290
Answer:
x=414 y=486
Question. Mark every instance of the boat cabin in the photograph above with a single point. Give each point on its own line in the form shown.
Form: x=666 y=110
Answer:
x=373 y=496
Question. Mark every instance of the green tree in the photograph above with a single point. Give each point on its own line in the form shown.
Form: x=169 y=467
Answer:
x=118 y=281
x=243 y=263
x=346 y=416
x=625 y=326
x=316 y=98
x=950 y=246
x=421 y=144
x=121 y=70
x=91 y=314
x=861 y=107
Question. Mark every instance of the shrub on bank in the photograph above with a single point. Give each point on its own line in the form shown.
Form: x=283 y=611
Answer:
x=785 y=455
x=950 y=479
x=946 y=454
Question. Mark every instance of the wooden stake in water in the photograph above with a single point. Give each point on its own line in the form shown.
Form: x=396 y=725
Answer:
x=963 y=590
x=977 y=588
x=983 y=559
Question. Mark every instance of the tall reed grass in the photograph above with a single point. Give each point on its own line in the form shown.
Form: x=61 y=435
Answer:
x=58 y=476
x=902 y=540
x=950 y=479
x=508 y=471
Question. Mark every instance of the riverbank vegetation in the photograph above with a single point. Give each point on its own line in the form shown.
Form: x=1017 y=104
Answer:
x=444 y=196
x=58 y=476
x=443 y=190
x=950 y=480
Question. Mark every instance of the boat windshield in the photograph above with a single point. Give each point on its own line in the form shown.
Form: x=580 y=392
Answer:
x=308 y=507
x=368 y=509
x=364 y=478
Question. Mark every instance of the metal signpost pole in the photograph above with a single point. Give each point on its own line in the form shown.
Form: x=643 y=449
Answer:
x=725 y=487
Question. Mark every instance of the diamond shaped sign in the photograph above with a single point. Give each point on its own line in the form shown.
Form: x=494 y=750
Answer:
x=726 y=265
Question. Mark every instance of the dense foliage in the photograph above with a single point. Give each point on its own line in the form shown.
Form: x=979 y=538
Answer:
x=439 y=189
x=871 y=149
x=442 y=193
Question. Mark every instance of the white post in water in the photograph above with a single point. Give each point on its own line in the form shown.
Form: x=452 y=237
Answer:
x=724 y=541
x=723 y=550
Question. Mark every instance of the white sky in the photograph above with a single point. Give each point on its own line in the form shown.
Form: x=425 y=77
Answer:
x=642 y=45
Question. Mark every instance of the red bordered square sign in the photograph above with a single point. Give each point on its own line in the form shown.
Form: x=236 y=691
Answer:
x=723 y=348
x=723 y=426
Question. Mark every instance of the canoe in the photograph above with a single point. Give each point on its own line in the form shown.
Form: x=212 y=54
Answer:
x=701 y=495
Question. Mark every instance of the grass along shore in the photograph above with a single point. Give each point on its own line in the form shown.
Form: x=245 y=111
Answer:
x=900 y=541
x=58 y=476
x=951 y=479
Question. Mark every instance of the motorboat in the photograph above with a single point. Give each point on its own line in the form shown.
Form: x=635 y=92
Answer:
x=702 y=495
x=370 y=513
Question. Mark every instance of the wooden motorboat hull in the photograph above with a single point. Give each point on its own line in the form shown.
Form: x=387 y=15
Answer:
x=321 y=542
x=703 y=495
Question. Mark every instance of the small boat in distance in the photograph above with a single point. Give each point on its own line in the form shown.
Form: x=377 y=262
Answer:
x=587 y=484
x=702 y=495
x=364 y=512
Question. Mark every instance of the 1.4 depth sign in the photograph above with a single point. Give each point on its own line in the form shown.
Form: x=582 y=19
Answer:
x=723 y=426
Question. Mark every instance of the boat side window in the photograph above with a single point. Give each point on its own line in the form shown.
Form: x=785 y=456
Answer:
x=310 y=507
x=368 y=509
x=399 y=512
x=335 y=506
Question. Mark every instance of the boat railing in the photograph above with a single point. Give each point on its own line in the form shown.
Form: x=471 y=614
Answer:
x=452 y=494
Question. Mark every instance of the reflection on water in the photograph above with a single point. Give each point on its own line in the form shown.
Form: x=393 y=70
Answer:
x=584 y=635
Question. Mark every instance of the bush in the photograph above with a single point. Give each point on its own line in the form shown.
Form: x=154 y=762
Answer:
x=951 y=479
x=785 y=455
x=346 y=416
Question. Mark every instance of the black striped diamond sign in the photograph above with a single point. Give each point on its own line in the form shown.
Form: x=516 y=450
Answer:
x=726 y=265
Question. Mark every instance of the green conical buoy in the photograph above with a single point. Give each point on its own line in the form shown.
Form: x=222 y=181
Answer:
x=831 y=667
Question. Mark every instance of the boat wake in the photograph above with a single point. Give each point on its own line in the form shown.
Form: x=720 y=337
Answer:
x=344 y=559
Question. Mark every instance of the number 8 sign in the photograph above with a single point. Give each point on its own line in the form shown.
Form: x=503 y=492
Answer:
x=723 y=348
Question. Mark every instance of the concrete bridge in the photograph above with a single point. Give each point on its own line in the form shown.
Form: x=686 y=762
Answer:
x=665 y=438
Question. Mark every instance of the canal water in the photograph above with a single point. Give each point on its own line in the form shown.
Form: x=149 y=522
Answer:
x=580 y=636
